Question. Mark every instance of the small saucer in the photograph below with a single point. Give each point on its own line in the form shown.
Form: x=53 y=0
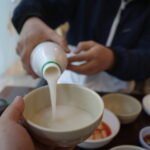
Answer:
x=142 y=135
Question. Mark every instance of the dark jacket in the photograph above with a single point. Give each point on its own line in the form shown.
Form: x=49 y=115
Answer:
x=92 y=20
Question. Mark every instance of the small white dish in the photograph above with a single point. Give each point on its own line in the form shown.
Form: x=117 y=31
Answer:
x=144 y=132
x=126 y=107
x=127 y=147
x=113 y=123
x=146 y=104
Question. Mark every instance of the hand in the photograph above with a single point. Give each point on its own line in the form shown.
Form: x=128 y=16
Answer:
x=13 y=136
x=97 y=58
x=34 y=32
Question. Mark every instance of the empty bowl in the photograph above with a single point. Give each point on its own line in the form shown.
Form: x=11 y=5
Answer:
x=107 y=130
x=144 y=137
x=126 y=107
x=127 y=147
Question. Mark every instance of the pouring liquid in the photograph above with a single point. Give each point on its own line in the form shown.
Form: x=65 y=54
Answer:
x=51 y=75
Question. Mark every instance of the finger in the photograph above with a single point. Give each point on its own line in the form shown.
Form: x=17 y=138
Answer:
x=19 y=48
x=25 y=57
x=86 y=68
x=79 y=57
x=85 y=46
x=59 y=40
x=15 y=110
x=63 y=43
x=30 y=71
x=76 y=58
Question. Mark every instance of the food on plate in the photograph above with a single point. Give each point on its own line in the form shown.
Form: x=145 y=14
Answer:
x=101 y=132
x=147 y=139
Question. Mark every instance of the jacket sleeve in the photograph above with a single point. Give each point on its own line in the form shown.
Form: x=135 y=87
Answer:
x=134 y=64
x=52 y=12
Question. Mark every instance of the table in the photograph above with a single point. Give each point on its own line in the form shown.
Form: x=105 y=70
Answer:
x=128 y=133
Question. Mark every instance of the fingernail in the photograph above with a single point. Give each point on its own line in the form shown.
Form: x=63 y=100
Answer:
x=18 y=98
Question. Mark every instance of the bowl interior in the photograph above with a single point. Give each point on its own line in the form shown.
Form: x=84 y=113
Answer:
x=121 y=104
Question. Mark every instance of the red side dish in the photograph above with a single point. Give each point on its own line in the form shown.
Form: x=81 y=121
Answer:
x=101 y=132
x=147 y=139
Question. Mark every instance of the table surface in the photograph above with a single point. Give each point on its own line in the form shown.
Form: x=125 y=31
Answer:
x=128 y=134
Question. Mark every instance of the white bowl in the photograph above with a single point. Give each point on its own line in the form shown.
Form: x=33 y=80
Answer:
x=146 y=104
x=70 y=95
x=126 y=107
x=113 y=122
x=145 y=131
x=127 y=147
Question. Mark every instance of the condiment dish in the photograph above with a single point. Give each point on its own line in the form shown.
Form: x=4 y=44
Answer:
x=144 y=137
x=126 y=107
x=146 y=104
x=100 y=137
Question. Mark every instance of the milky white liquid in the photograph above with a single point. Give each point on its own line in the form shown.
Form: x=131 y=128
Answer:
x=51 y=76
x=66 y=118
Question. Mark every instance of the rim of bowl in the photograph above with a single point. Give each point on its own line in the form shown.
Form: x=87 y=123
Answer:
x=127 y=146
x=132 y=98
x=141 y=137
x=145 y=98
x=109 y=137
x=144 y=103
x=73 y=85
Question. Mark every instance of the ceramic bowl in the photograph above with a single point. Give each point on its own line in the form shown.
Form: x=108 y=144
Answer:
x=146 y=104
x=143 y=133
x=67 y=94
x=126 y=107
x=127 y=147
x=113 y=123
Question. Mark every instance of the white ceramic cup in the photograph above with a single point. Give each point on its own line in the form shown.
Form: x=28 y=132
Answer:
x=67 y=94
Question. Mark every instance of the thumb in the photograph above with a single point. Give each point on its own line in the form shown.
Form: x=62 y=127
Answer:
x=55 y=37
x=15 y=110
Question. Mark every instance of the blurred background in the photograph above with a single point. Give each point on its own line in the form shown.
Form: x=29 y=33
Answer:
x=11 y=71
x=8 y=34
